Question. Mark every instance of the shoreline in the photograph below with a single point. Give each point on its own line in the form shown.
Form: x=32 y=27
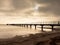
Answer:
x=35 y=38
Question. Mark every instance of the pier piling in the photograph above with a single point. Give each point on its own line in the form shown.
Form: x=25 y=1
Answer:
x=42 y=28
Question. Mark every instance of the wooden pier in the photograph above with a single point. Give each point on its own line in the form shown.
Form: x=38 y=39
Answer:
x=35 y=25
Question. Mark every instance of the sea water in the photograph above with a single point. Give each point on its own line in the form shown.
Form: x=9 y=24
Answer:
x=9 y=31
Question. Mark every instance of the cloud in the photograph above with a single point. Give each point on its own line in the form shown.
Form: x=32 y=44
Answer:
x=54 y=6
x=24 y=10
x=22 y=4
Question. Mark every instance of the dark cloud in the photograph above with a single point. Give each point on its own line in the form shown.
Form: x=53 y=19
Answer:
x=53 y=7
x=0 y=2
x=47 y=1
x=21 y=4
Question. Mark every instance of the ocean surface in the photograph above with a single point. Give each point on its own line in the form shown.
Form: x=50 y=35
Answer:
x=8 y=31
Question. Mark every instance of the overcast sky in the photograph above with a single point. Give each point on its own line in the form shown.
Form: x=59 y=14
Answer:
x=17 y=11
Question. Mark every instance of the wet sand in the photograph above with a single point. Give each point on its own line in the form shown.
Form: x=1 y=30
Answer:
x=51 y=38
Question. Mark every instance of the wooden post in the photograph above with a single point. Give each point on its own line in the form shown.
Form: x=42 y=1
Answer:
x=24 y=25
x=27 y=26
x=35 y=27
x=42 y=28
x=30 y=26
x=21 y=24
x=52 y=27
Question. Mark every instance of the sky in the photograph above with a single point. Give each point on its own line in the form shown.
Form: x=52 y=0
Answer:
x=29 y=11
